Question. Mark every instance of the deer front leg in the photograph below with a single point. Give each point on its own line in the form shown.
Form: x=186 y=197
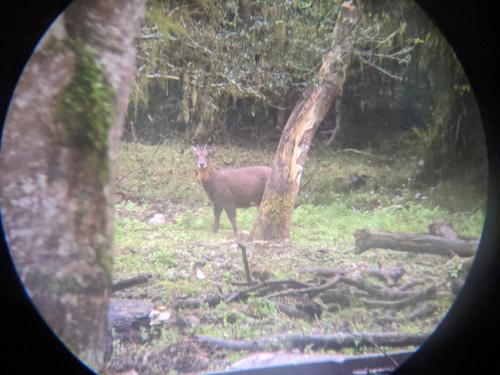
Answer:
x=217 y=212
x=231 y=214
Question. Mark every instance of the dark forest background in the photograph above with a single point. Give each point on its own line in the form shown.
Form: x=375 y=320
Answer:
x=231 y=71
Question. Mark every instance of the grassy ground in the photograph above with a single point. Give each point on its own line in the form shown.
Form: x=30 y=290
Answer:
x=187 y=260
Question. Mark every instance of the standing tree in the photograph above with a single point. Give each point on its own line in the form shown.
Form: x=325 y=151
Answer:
x=59 y=143
x=275 y=212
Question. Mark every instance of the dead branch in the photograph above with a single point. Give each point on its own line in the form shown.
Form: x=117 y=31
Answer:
x=260 y=289
x=245 y=263
x=130 y=282
x=375 y=291
x=300 y=341
x=389 y=275
x=409 y=301
x=289 y=310
x=338 y=278
x=380 y=69
x=263 y=288
x=409 y=285
x=190 y=303
x=423 y=311
x=311 y=290
x=414 y=242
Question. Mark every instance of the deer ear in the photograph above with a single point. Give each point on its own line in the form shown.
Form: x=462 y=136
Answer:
x=195 y=148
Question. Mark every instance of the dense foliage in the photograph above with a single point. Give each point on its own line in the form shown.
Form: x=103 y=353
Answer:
x=213 y=71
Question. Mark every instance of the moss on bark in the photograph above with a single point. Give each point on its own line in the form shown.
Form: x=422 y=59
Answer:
x=85 y=111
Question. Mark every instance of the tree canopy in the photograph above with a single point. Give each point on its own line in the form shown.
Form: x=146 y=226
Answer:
x=212 y=71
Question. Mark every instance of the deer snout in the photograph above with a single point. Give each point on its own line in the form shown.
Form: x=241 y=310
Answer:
x=202 y=164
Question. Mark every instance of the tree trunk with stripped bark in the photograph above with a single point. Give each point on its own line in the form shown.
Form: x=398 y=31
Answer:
x=275 y=212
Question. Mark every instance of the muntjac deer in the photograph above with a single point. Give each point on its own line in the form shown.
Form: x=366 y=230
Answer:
x=230 y=188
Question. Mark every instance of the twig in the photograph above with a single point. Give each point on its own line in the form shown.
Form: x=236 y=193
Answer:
x=245 y=263
x=162 y=75
x=380 y=68
x=310 y=290
x=273 y=284
x=130 y=282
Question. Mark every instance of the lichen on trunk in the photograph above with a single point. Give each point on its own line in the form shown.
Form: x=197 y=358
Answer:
x=84 y=111
x=277 y=208
x=64 y=122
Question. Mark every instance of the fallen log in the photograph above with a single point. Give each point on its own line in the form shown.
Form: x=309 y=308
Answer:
x=444 y=230
x=414 y=242
x=126 y=317
x=301 y=341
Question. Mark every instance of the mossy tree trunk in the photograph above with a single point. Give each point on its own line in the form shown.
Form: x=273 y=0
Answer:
x=275 y=213
x=59 y=143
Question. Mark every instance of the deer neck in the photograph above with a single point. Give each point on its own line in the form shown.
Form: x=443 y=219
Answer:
x=204 y=174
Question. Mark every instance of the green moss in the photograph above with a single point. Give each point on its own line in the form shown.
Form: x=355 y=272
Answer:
x=85 y=111
x=277 y=206
x=105 y=259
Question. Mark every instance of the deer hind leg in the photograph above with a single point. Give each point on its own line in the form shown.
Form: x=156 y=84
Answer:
x=231 y=214
x=217 y=212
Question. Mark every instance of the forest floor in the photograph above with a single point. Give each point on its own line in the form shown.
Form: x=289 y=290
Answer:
x=163 y=229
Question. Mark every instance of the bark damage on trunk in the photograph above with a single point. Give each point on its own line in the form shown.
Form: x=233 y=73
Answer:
x=275 y=212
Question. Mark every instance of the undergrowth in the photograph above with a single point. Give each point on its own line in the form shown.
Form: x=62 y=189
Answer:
x=187 y=260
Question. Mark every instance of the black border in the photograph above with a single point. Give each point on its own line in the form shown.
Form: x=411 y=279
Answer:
x=464 y=342
x=28 y=344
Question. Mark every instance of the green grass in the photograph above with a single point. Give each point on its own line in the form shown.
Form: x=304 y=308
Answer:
x=161 y=180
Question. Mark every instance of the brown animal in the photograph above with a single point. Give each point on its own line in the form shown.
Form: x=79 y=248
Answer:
x=230 y=188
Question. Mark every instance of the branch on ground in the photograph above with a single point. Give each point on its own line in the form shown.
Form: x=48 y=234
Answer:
x=409 y=301
x=301 y=341
x=414 y=242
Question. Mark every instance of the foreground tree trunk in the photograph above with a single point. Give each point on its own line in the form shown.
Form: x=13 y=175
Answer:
x=59 y=143
x=275 y=212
